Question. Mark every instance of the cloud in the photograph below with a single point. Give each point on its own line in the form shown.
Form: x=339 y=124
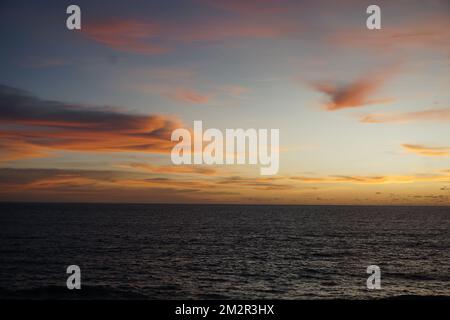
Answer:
x=127 y=35
x=217 y=21
x=189 y=96
x=172 y=83
x=249 y=6
x=172 y=74
x=30 y=178
x=126 y=186
x=176 y=84
x=354 y=94
x=99 y=186
x=30 y=184
x=203 y=170
x=235 y=90
x=427 y=151
x=158 y=37
x=94 y=180
x=35 y=127
x=429 y=33
x=36 y=62
x=256 y=183
x=220 y=29
x=426 y=115
x=382 y=179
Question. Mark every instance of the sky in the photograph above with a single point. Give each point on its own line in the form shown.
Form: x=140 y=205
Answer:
x=87 y=115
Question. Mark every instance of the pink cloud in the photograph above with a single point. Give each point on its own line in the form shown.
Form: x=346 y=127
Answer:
x=127 y=35
x=189 y=96
x=159 y=37
x=432 y=32
x=354 y=94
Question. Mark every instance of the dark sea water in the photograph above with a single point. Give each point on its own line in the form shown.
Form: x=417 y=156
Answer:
x=220 y=252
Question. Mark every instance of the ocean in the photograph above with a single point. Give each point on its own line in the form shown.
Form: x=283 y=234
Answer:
x=144 y=251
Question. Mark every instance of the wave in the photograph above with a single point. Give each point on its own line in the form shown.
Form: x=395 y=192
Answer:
x=108 y=293
x=418 y=297
x=62 y=293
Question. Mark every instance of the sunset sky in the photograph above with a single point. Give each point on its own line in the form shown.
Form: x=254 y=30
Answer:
x=364 y=115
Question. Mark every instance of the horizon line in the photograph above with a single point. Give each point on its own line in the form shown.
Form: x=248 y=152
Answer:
x=223 y=204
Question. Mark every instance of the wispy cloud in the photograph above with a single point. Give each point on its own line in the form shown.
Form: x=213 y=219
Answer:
x=157 y=37
x=189 y=96
x=127 y=35
x=438 y=115
x=222 y=29
x=427 y=150
x=272 y=183
x=250 y=6
x=381 y=179
x=95 y=185
x=141 y=185
x=235 y=90
x=37 y=62
x=428 y=33
x=184 y=85
x=202 y=170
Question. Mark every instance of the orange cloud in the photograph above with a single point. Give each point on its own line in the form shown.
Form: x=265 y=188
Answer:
x=426 y=115
x=94 y=184
x=103 y=186
x=14 y=148
x=388 y=179
x=128 y=186
x=35 y=127
x=427 y=151
x=256 y=183
x=164 y=182
x=171 y=169
x=189 y=96
x=354 y=94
